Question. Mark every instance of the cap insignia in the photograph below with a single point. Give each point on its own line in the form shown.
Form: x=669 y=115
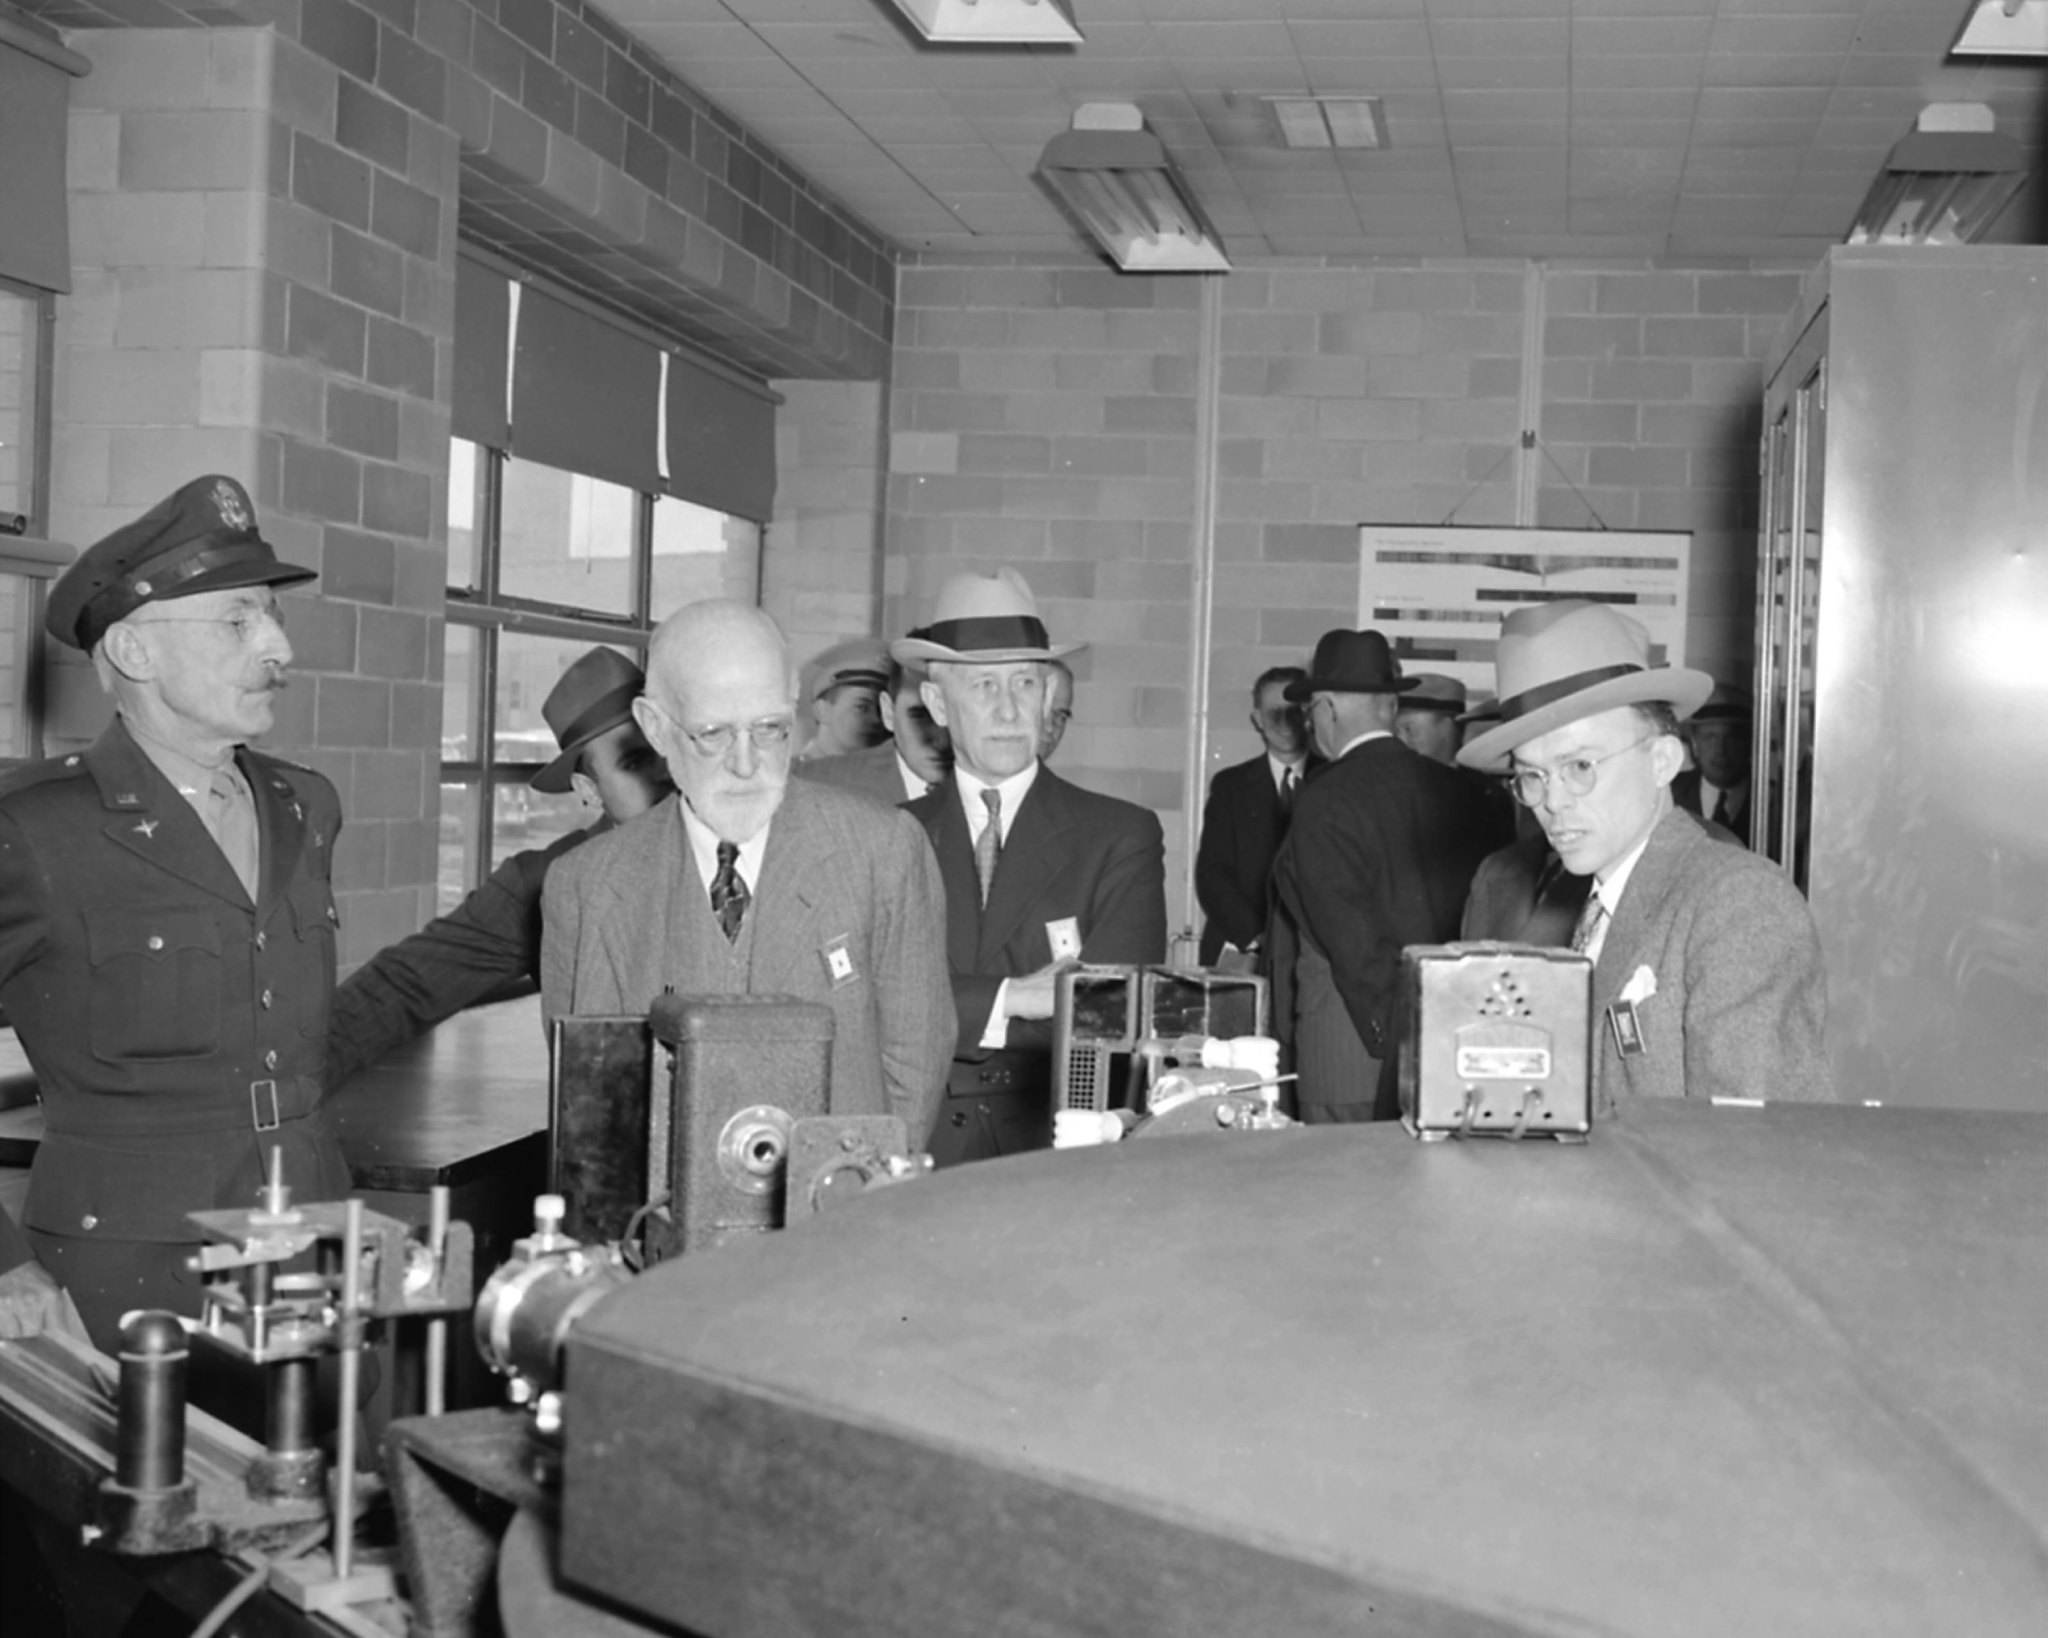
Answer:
x=227 y=501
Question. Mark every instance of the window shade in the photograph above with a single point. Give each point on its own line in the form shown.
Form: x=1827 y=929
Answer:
x=35 y=94
x=483 y=306
x=585 y=395
x=721 y=443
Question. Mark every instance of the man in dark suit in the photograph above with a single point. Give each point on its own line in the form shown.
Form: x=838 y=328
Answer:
x=749 y=883
x=1716 y=786
x=1039 y=873
x=917 y=755
x=488 y=946
x=1708 y=979
x=1245 y=820
x=166 y=918
x=1380 y=855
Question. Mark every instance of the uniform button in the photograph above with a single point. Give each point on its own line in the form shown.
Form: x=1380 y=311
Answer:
x=270 y=1059
x=88 y=1222
x=261 y=940
x=156 y=941
x=264 y=998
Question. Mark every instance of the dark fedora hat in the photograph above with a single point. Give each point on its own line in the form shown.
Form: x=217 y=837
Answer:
x=1351 y=662
x=203 y=538
x=592 y=697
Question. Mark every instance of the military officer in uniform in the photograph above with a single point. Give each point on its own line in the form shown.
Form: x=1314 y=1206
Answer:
x=167 y=924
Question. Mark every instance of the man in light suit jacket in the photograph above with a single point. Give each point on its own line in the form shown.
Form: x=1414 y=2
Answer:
x=1039 y=873
x=1245 y=820
x=901 y=768
x=1380 y=855
x=1708 y=978
x=745 y=883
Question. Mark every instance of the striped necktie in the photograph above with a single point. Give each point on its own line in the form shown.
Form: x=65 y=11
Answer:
x=1588 y=928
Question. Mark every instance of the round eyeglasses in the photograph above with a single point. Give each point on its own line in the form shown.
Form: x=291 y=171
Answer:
x=1575 y=776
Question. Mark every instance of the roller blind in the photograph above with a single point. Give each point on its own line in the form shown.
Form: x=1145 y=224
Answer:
x=35 y=92
x=721 y=442
x=483 y=348
x=585 y=395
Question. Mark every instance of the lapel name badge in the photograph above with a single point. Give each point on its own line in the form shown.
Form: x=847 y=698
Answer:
x=1064 y=936
x=1627 y=1025
x=839 y=962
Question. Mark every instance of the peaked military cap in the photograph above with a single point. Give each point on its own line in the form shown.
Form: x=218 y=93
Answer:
x=203 y=538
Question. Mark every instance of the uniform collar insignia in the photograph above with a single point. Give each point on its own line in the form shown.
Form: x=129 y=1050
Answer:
x=147 y=829
x=297 y=811
x=127 y=799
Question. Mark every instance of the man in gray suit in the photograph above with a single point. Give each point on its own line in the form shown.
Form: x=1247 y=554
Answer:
x=746 y=883
x=1708 y=978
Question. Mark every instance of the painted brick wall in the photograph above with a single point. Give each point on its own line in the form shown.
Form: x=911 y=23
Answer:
x=821 y=561
x=1046 y=419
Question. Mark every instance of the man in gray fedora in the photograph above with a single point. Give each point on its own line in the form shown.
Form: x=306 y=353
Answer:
x=1380 y=855
x=1708 y=979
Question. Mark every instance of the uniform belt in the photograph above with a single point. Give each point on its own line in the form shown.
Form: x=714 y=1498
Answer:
x=254 y=1106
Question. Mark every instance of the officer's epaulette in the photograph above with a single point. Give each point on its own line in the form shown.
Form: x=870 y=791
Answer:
x=42 y=773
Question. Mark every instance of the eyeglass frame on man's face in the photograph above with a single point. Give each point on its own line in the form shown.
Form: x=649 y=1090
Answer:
x=1574 y=784
x=715 y=741
x=246 y=622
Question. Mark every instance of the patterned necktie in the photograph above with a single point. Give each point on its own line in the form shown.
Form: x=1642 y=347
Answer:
x=988 y=846
x=729 y=895
x=1588 y=928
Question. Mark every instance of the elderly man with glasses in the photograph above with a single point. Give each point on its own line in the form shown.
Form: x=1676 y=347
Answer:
x=746 y=882
x=1708 y=979
x=166 y=920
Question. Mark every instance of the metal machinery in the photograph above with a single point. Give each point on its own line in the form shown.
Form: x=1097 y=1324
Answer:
x=288 y=1286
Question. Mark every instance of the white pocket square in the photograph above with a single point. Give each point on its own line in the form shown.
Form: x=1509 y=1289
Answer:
x=1642 y=984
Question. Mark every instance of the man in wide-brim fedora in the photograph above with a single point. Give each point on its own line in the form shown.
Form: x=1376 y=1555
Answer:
x=1039 y=873
x=1708 y=979
x=1380 y=854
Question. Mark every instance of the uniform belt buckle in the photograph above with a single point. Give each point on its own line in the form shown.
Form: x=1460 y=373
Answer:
x=259 y=1093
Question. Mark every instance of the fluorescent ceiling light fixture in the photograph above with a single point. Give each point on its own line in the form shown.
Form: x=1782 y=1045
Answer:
x=991 y=22
x=1944 y=183
x=1330 y=122
x=2004 y=28
x=1115 y=182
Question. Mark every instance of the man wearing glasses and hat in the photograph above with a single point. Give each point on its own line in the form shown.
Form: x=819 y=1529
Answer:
x=488 y=946
x=1708 y=979
x=1039 y=874
x=1380 y=855
x=166 y=920
x=747 y=882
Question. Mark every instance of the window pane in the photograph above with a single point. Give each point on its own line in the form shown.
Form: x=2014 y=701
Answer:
x=566 y=539
x=465 y=503
x=699 y=553
x=459 y=694
x=525 y=818
x=459 y=815
x=17 y=399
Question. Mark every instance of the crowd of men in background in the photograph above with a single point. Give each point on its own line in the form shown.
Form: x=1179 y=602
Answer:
x=877 y=831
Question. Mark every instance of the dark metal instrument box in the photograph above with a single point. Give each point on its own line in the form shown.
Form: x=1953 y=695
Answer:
x=1496 y=1040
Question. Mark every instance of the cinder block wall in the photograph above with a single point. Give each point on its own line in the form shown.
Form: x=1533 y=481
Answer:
x=1046 y=418
x=821 y=562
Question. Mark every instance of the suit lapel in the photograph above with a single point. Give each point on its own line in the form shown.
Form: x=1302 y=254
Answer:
x=148 y=818
x=280 y=827
x=796 y=872
x=1649 y=884
x=946 y=824
x=1030 y=857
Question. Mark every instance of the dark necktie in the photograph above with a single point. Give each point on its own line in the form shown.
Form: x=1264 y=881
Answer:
x=729 y=895
x=1720 y=813
x=1288 y=781
x=988 y=846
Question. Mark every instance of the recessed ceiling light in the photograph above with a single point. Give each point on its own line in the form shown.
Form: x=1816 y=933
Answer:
x=1330 y=122
x=991 y=22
